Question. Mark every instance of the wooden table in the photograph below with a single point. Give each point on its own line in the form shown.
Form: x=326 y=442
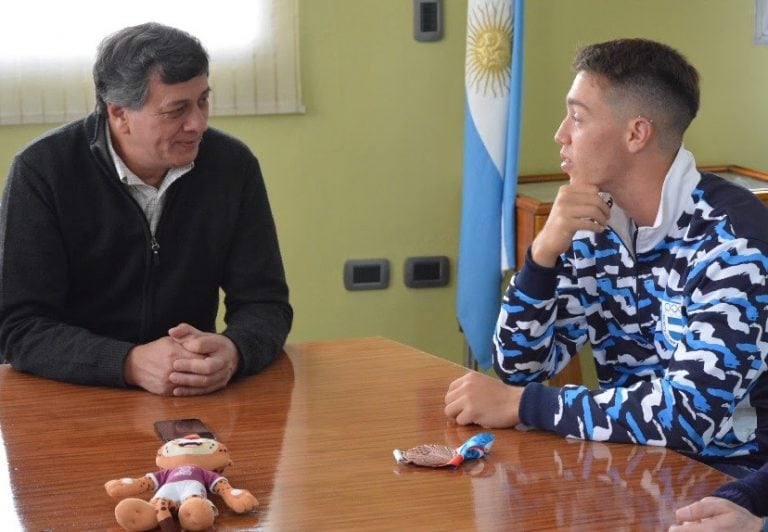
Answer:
x=312 y=438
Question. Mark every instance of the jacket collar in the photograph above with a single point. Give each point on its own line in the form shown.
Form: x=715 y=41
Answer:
x=679 y=183
x=96 y=128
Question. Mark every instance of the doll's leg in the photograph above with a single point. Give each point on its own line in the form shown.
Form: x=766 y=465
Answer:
x=136 y=515
x=197 y=513
x=164 y=510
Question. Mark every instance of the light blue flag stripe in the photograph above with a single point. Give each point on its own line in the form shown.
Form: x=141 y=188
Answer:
x=479 y=274
x=513 y=137
x=487 y=244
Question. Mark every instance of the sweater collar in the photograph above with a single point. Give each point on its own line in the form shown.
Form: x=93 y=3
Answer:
x=96 y=125
x=679 y=183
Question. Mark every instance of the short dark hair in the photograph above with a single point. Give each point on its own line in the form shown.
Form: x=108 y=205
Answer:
x=657 y=76
x=126 y=60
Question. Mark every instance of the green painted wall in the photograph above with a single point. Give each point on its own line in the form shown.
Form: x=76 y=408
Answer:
x=715 y=35
x=373 y=169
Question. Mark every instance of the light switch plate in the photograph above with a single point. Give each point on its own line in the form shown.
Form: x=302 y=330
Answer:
x=366 y=274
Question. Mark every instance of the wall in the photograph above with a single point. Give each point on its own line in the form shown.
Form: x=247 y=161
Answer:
x=715 y=35
x=373 y=169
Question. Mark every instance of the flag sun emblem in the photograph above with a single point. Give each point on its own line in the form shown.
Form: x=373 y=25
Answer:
x=489 y=49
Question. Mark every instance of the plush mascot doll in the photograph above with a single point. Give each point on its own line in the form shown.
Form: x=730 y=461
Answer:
x=188 y=465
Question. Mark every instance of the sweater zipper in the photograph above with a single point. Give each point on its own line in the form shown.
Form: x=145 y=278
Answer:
x=155 y=247
x=638 y=281
x=154 y=244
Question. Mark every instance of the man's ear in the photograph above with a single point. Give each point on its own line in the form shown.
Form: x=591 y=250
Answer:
x=118 y=118
x=639 y=132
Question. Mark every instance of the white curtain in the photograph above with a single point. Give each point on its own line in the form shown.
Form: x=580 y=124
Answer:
x=761 y=21
x=47 y=50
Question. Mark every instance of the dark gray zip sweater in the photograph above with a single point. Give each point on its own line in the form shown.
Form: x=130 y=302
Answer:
x=82 y=280
x=751 y=492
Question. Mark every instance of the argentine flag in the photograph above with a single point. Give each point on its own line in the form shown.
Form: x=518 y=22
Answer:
x=493 y=86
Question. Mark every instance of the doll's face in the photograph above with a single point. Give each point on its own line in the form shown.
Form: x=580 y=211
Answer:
x=203 y=452
x=189 y=445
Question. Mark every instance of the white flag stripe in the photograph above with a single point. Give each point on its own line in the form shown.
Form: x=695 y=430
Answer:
x=489 y=35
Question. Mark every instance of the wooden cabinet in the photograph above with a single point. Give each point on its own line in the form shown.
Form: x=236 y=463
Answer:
x=535 y=194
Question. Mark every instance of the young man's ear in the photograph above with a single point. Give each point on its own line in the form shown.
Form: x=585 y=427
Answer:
x=639 y=133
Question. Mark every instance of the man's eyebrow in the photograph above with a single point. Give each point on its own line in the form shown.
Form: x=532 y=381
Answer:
x=176 y=103
x=573 y=102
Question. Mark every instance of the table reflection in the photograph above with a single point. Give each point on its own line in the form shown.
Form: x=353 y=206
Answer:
x=580 y=484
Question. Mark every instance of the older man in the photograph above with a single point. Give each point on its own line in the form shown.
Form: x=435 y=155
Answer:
x=118 y=231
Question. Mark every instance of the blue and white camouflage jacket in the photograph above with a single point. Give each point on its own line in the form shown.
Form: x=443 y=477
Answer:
x=676 y=315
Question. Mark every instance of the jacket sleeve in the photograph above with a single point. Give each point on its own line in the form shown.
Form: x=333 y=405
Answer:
x=34 y=334
x=750 y=492
x=685 y=402
x=541 y=325
x=258 y=315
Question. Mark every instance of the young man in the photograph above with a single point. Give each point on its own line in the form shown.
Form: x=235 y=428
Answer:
x=660 y=268
x=118 y=231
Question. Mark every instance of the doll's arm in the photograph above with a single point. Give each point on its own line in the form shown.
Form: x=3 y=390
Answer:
x=237 y=499
x=127 y=487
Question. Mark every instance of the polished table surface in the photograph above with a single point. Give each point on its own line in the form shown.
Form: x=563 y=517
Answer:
x=312 y=438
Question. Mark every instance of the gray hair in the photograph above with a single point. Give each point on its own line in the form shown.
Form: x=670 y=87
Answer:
x=126 y=60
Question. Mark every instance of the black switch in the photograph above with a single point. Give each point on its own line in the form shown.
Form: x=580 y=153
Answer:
x=366 y=274
x=426 y=272
x=428 y=16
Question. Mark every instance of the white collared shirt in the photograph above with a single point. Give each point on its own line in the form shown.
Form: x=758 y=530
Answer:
x=149 y=198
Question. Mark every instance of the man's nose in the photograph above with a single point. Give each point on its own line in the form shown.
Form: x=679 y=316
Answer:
x=560 y=135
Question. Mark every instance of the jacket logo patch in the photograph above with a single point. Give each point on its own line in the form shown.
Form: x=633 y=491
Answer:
x=672 y=321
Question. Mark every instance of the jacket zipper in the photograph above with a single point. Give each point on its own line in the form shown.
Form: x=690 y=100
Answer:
x=155 y=246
